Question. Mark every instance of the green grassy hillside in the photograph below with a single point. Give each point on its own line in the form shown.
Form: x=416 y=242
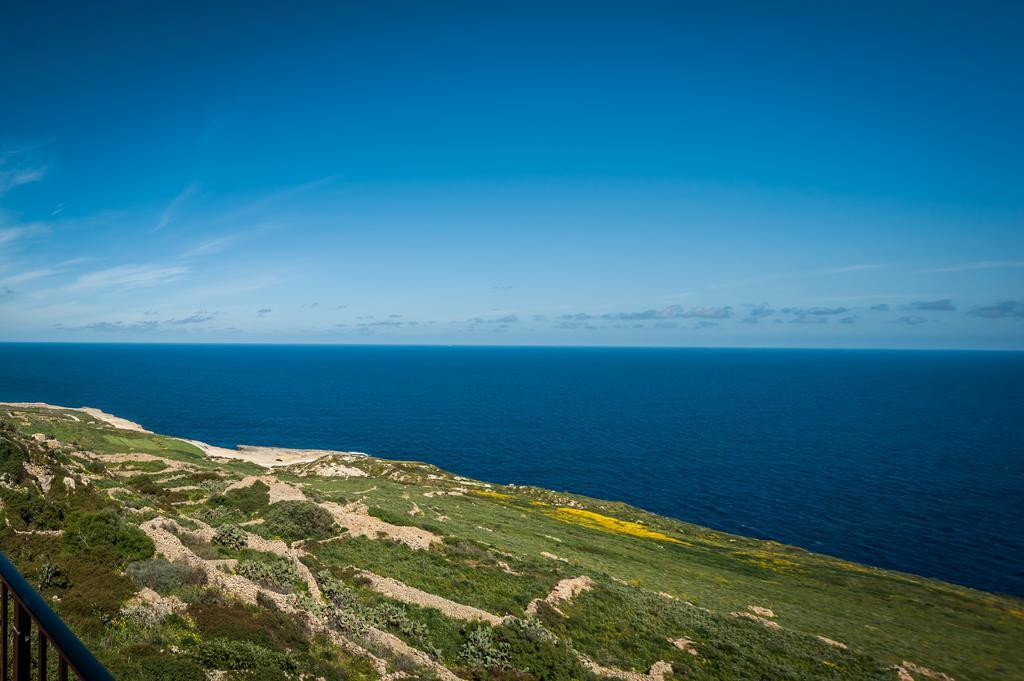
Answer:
x=170 y=564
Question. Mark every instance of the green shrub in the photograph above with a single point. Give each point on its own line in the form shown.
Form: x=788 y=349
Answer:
x=85 y=530
x=96 y=591
x=33 y=510
x=231 y=655
x=52 y=577
x=532 y=648
x=278 y=574
x=169 y=668
x=220 y=515
x=246 y=500
x=231 y=536
x=163 y=576
x=147 y=663
x=294 y=520
x=145 y=485
x=13 y=453
x=482 y=650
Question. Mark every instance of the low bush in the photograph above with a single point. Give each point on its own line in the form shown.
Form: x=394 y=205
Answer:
x=220 y=515
x=85 y=530
x=13 y=453
x=163 y=576
x=147 y=663
x=532 y=648
x=247 y=500
x=231 y=536
x=228 y=654
x=277 y=574
x=96 y=591
x=143 y=484
x=33 y=511
x=52 y=577
x=294 y=520
x=482 y=650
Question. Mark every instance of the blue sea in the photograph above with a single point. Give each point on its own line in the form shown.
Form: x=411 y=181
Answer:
x=900 y=459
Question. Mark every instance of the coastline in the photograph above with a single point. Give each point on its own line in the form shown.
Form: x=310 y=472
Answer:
x=266 y=457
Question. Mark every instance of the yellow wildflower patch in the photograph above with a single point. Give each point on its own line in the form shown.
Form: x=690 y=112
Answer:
x=491 y=493
x=577 y=516
x=768 y=560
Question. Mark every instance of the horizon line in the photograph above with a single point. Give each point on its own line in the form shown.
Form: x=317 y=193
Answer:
x=506 y=345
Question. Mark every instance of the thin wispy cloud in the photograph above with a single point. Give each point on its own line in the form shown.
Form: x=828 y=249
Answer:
x=832 y=271
x=170 y=213
x=269 y=199
x=213 y=246
x=670 y=312
x=200 y=317
x=40 y=273
x=941 y=305
x=19 y=167
x=11 y=234
x=815 y=311
x=849 y=268
x=1004 y=309
x=27 y=275
x=978 y=265
x=129 y=276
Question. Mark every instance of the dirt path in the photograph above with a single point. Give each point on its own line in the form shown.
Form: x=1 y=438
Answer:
x=274 y=546
x=358 y=523
x=659 y=670
x=170 y=546
x=564 y=592
x=400 y=591
x=279 y=491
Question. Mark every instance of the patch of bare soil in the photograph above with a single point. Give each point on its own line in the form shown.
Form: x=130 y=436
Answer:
x=358 y=523
x=684 y=644
x=392 y=588
x=564 y=592
x=754 y=618
x=658 y=671
x=279 y=491
x=831 y=642
x=906 y=668
x=168 y=545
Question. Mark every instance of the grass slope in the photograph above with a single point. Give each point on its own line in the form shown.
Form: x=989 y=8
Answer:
x=656 y=579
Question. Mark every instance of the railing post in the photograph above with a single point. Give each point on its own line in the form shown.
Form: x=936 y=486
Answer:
x=41 y=660
x=22 y=663
x=5 y=633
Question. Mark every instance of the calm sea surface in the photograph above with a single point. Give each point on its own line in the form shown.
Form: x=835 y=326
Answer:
x=905 y=460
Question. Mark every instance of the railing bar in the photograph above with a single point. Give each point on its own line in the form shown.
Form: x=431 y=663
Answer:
x=41 y=664
x=62 y=669
x=30 y=605
x=22 y=642
x=3 y=625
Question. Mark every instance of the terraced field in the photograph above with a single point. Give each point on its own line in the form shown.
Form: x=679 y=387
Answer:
x=172 y=563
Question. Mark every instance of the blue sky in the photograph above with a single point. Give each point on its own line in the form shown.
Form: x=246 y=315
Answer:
x=643 y=173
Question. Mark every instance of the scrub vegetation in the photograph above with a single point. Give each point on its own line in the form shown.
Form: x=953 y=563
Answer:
x=173 y=565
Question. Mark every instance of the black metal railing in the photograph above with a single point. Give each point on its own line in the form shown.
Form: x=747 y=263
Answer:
x=71 y=657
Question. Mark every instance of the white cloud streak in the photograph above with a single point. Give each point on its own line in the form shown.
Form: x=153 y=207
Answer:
x=213 y=246
x=170 y=212
x=128 y=276
x=978 y=265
